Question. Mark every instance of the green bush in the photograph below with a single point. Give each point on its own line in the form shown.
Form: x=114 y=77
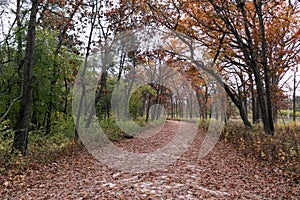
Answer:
x=111 y=129
x=6 y=141
x=141 y=121
x=41 y=148
x=115 y=133
x=204 y=124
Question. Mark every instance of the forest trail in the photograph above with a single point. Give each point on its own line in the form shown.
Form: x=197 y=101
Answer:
x=223 y=174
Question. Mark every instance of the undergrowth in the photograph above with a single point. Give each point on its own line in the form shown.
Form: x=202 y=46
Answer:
x=41 y=148
x=115 y=132
x=281 y=150
x=47 y=148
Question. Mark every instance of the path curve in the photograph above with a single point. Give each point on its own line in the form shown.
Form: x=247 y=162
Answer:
x=223 y=174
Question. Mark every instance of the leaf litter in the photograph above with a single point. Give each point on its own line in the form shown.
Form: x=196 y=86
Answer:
x=224 y=174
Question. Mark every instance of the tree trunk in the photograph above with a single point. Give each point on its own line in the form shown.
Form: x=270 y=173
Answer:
x=148 y=107
x=239 y=105
x=294 y=97
x=22 y=125
x=128 y=92
x=172 y=110
x=245 y=102
x=252 y=60
x=255 y=114
x=83 y=86
x=254 y=102
x=258 y=5
x=98 y=97
x=19 y=56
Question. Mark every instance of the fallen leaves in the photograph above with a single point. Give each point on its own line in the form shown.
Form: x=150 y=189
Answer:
x=223 y=174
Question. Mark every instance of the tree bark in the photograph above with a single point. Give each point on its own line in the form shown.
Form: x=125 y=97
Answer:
x=98 y=96
x=148 y=107
x=251 y=60
x=22 y=125
x=258 y=5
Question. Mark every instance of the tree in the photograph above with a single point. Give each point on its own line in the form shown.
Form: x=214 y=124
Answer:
x=94 y=6
x=11 y=58
x=22 y=126
x=295 y=86
x=59 y=17
x=239 y=38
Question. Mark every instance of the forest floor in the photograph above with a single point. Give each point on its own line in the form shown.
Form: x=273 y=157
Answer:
x=223 y=174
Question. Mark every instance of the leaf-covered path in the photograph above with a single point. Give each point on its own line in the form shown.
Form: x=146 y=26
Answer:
x=223 y=174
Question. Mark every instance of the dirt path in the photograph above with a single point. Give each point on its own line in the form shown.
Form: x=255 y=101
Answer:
x=223 y=174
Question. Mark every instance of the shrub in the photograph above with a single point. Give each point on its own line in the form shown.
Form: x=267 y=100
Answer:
x=281 y=150
x=41 y=148
x=283 y=147
x=6 y=140
x=111 y=129
x=285 y=113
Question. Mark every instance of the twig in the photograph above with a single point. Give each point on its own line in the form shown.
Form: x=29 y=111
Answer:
x=7 y=111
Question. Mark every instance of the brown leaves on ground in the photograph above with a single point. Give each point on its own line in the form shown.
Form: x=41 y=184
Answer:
x=223 y=174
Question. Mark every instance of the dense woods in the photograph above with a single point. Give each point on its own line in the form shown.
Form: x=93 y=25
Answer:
x=65 y=62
